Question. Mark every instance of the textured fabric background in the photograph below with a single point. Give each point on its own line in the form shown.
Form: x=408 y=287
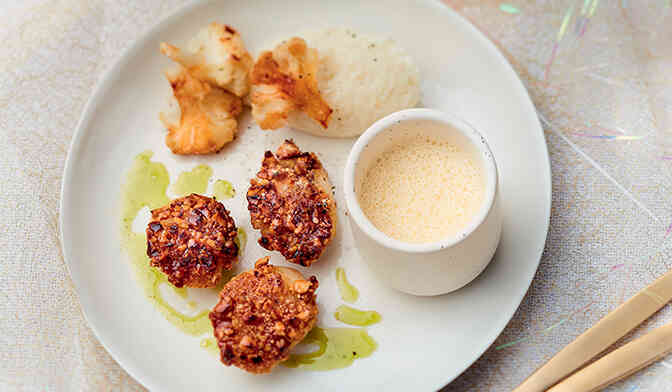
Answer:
x=600 y=74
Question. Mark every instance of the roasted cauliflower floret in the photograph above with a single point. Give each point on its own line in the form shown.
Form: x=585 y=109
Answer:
x=283 y=81
x=216 y=55
x=192 y=241
x=290 y=202
x=262 y=314
x=207 y=119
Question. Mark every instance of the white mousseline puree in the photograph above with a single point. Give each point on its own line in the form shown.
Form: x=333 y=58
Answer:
x=423 y=190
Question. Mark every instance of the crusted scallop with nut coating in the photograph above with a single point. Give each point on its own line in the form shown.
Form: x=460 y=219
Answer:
x=262 y=314
x=290 y=202
x=192 y=241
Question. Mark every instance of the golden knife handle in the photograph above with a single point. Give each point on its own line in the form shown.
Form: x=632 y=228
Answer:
x=602 y=335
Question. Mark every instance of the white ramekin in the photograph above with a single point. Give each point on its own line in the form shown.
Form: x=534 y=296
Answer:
x=429 y=268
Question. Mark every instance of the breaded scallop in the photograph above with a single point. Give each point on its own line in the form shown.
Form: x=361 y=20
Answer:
x=290 y=202
x=262 y=314
x=192 y=241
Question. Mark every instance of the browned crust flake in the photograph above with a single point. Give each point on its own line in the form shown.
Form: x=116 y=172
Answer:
x=220 y=40
x=207 y=116
x=192 y=240
x=262 y=314
x=289 y=75
x=290 y=201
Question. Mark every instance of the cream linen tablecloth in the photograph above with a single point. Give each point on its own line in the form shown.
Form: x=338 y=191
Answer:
x=600 y=75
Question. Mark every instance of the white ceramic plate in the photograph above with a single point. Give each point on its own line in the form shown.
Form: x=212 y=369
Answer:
x=424 y=343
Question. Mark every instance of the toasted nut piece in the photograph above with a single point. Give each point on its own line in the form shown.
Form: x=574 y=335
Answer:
x=245 y=341
x=301 y=286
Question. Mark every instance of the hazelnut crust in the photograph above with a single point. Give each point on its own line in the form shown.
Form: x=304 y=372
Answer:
x=262 y=314
x=291 y=202
x=192 y=240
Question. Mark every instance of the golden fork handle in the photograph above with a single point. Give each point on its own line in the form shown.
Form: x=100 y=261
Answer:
x=619 y=363
x=602 y=335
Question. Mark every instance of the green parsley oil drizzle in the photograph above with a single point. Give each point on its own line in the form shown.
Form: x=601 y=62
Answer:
x=210 y=345
x=145 y=186
x=352 y=316
x=349 y=293
x=337 y=348
x=223 y=189
x=241 y=240
x=194 y=181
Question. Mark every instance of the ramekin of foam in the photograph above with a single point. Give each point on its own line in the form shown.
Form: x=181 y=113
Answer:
x=421 y=189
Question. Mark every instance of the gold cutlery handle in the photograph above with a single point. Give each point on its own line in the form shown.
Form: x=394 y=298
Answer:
x=619 y=363
x=602 y=335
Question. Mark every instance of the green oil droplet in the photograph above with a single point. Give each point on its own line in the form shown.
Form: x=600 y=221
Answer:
x=352 y=316
x=241 y=240
x=181 y=292
x=349 y=293
x=223 y=189
x=210 y=345
x=194 y=181
x=337 y=348
x=146 y=184
x=316 y=336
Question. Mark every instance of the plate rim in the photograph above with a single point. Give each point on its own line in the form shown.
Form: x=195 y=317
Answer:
x=112 y=70
x=520 y=86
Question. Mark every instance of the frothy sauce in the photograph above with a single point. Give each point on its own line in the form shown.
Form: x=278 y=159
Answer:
x=423 y=190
